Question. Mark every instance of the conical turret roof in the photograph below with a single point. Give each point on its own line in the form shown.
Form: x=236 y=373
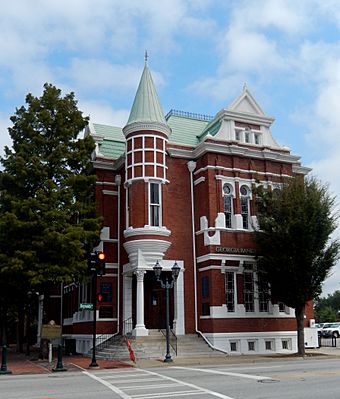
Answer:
x=146 y=108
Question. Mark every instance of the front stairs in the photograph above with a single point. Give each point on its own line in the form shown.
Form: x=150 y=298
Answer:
x=154 y=347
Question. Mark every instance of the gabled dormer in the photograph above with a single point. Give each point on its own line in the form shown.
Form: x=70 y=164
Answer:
x=243 y=122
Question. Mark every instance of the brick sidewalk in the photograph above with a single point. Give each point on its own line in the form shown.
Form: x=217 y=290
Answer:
x=21 y=364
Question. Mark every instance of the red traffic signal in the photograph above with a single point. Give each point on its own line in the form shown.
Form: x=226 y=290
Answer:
x=99 y=297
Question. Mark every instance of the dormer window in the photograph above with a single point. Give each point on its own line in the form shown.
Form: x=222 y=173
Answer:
x=257 y=138
x=247 y=134
x=237 y=135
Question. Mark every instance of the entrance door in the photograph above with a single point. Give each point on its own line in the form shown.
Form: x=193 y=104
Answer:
x=155 y=303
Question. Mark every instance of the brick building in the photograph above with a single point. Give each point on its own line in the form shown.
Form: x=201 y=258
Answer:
x=178 y=188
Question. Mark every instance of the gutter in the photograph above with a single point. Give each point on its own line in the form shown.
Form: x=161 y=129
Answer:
x=191 y=167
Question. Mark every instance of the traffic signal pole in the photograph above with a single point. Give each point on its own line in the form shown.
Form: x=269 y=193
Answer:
x=93 y=363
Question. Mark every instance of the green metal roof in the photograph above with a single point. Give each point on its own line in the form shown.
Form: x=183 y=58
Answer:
x=113 y=145
x=146 y=106
x=185 y=127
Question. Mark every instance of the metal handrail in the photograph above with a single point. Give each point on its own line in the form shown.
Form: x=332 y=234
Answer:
x=127 y=326
x=103 y=341
x=173 y=339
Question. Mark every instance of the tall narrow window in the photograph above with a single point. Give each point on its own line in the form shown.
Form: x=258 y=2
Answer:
x=248 y=279
x=263 y=290
x=230 y=291
x=154 y=204
x=247 y=134
x=228 y=205
x=244 y=191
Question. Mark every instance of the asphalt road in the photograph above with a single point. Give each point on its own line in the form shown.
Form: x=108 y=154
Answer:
x=310 y=378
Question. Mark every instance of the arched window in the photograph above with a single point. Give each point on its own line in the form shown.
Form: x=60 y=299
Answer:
x=244 y=191
x=228 y=204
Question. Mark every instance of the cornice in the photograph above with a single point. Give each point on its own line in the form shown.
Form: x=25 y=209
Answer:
x=245 y=117
x=205 y=147
x=140 y=126
x=147 y=230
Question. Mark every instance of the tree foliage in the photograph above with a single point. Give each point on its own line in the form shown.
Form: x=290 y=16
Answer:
x=327 y=308
x=295 y=250
x=47 y=214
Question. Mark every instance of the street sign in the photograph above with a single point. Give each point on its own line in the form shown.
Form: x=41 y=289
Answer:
x=88 y=306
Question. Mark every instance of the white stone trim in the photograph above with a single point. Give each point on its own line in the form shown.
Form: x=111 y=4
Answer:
x=199 y=180
x=221 y=257
x=151 y=250
x=110 y=192
x=140 y=126
x=238 y=170
x=105 y=183
x=147 y=230
x=219 y=148
x=222 y=341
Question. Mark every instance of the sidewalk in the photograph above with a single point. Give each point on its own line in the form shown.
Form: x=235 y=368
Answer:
x=21 y=364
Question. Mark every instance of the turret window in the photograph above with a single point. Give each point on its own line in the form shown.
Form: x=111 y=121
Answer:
x=155 y=204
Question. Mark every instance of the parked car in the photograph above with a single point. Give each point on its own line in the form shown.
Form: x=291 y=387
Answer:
x=320 y=326
x=331 y=330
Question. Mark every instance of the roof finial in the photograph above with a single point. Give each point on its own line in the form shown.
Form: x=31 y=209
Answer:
x=146 y=56
x=245 y=86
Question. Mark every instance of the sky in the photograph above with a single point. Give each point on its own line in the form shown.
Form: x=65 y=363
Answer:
x=201 y=52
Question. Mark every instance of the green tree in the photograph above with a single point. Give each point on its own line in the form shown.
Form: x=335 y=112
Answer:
x=47 y=207
x=294 y=244
x=331 y=301
x=326 y=314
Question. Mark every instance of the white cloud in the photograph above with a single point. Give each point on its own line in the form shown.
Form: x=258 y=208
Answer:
x=100 y=112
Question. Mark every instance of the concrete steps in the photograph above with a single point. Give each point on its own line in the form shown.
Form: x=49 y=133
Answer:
x=154 y=347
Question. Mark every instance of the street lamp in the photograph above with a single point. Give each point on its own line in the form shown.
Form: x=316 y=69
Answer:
x=167 y=285
x=30 y=295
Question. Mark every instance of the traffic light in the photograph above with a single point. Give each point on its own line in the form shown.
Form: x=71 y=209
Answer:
x=92 y=262
x=99 y=297
x=100 y=263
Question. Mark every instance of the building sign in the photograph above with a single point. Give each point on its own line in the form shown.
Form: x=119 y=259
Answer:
x=240 y=251
x=88 y=306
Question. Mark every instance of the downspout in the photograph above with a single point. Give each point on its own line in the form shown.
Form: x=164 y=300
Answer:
x=118 y=181
x=191 y=166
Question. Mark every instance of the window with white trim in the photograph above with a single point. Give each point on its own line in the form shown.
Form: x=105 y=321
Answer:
x=155 y=204
x=247 y=134
x=230 y=291
x=228 y=204
x=248 y=288
x=244 y=192
x=263 y=292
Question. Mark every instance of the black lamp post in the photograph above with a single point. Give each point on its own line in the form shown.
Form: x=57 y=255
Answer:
x=30 y=295
x=167 y=285
x=93 y=363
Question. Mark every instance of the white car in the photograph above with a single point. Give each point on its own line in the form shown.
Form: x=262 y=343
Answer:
x=331 y=330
